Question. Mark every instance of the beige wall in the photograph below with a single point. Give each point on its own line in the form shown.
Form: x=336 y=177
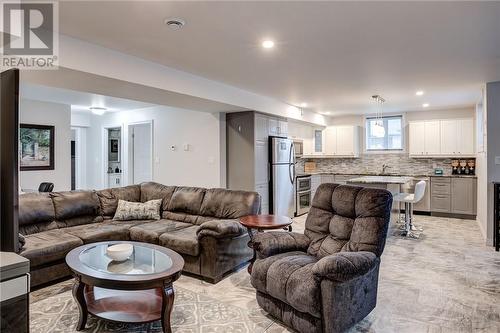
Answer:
x=59 y=116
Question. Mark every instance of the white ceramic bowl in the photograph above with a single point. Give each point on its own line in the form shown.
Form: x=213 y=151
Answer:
x=120 y=252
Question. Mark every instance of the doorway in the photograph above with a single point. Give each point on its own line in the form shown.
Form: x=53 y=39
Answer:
x=140 y=151
x=78 y=158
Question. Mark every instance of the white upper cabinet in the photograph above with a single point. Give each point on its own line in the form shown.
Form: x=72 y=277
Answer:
x=330 y=140
x=447 y=138
x=417 y=143
x=432 y=138
x=277 y=127
x=342 y=141
x=466 y=137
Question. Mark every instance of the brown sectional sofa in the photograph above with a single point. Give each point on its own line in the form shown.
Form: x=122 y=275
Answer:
x=200 y=224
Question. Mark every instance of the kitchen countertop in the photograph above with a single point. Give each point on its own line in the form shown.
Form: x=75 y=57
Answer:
x=303 y=174
x=381 y=180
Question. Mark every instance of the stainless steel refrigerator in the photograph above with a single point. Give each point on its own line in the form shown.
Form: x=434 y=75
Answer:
x=282 y=167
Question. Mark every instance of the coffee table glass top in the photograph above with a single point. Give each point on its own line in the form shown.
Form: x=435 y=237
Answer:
x=144 y=260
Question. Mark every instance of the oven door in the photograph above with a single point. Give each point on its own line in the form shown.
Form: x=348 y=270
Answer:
x=303 y=184
x=303 y=202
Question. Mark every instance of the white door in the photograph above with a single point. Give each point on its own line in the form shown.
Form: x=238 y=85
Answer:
x=330 y=141
x=416 y=142
x=345 y=140
x=432 y=138
x=449 y=137
x=141 y=152
x=466 y=137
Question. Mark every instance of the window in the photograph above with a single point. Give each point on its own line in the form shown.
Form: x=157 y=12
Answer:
x=384 y=133
x=318 y=141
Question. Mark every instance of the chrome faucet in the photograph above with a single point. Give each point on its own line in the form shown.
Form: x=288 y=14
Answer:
x=384 y=167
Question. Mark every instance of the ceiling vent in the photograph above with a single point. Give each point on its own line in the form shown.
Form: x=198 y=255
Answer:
x=175 y=23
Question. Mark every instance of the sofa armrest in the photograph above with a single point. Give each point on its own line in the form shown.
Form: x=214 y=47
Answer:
x=344 y=266
x=269 y=243
x=221 y=229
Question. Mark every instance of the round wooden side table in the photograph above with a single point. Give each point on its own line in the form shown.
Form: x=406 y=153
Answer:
x=261 y=223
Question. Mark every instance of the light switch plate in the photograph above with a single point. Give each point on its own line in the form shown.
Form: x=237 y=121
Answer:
x=497 y=160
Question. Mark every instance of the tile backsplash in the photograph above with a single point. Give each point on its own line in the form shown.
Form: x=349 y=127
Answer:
x=372 y=163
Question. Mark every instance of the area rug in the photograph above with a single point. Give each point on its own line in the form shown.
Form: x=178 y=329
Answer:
x=58 y=312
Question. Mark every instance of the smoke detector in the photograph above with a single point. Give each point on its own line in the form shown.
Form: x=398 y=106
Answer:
x=175 y=23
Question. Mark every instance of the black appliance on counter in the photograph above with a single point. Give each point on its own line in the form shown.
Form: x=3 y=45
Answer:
x=463 y=167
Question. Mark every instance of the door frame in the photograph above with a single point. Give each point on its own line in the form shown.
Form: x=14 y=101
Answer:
x=104 y=164
x=128 y=175
x=80 y=158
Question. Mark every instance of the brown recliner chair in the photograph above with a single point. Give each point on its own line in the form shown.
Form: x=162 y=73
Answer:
x=325 y=280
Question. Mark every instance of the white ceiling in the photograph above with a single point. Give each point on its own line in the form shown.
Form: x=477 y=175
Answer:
x=332 y=55
x=82 y=90
x=80 y=101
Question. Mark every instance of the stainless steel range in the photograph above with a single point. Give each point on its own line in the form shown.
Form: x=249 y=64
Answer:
x=303 y=196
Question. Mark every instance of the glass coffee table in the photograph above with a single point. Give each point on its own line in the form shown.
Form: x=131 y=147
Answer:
x=137 y=290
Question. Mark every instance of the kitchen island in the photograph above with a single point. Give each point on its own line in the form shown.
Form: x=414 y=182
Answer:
x=394 y=184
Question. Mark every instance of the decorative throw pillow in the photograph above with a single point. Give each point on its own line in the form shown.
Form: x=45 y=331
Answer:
x=127 y=210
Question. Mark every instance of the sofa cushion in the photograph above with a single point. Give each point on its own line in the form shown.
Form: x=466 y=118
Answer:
x=227 y=204
x=289 y=278
x=187 y=218
x=73 y=204
x=36 y=213
x=35 y=208
x=48 y=246
x=150 y=232
x=108 y=198
x=152 y=191
x=127 y=210
x=183 y=240
x=187 y=200
x=99 y=232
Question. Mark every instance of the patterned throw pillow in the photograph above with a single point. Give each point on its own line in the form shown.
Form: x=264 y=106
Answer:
x=127 y=210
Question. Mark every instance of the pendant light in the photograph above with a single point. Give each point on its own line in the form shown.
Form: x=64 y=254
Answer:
x=378 y=129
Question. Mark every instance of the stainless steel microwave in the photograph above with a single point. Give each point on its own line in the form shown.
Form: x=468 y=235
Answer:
x=299 y=147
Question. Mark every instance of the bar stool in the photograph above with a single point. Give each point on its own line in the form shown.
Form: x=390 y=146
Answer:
x=409 y=199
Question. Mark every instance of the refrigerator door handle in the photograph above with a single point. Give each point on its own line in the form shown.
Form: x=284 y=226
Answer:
x=291 y=164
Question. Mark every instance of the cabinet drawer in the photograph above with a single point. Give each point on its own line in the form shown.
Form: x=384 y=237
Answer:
x=440 y=188
x=440 y=180
x=440 y=203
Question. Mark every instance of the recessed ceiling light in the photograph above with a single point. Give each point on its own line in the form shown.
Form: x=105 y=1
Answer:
x=425 y=105
x=327 y=112
x=419 y=93
x=268 y=44
x=175 y=23
x=303 y=104
x=98 y=110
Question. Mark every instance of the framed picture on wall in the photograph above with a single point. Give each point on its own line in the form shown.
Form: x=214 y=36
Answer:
x=36 y=147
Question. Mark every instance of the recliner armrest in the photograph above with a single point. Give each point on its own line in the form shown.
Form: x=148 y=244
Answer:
x=269 y=243
x=344 y=266
x=220 y=229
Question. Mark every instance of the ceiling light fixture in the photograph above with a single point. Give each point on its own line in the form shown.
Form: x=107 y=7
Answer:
x=175 y=23
x=268 y=44
x=419 y=93
x=425 y=105
x=303 y=105
x=98 y=110
x=378 y=129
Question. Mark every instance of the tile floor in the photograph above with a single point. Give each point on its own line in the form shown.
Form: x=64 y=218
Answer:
x=447 y=281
